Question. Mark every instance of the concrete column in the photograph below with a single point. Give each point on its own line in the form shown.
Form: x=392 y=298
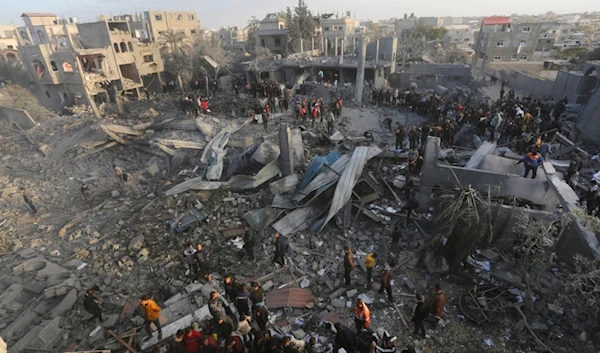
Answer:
x=377 y=52
x=336 y=51
x=326 y=45
x=301 y=45
x=312 y=45
x=354 y=51
x=342 y=55
x=360 y=71
x=286 y=157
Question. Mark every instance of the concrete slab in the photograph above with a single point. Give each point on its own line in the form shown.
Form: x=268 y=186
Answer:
x=8 y=298
x=110 y=320
x=25 y=340
x=65 y=304
x=478 y=157
x=42 y=308
x=60 y=289
x=19 y=326
x=49 y=336
x=169 y=330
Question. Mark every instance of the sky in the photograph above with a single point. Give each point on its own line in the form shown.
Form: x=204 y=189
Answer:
x=214 y=14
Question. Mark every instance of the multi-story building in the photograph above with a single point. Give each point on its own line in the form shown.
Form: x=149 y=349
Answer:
x=149 y=25
x=71 y=62
x=271 y=33
x=232 y=37
x=498 y=39
x=8 y=43
x=337 y=29
x=460 y=36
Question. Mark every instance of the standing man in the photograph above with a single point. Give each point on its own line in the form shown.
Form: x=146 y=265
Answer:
x=411 y=204
x=413 y=137
x=387 y=122
x=265 y=116
x=236 y=90
x=396 y=235
x=203 y=262
x=344 y=338
x=151 y=312
x=231 y=287
x=437 y=304
x=214 y=305
x=249 y=243
x=532 y=160
x=574 y=166
x=281 y=247
x=28 y=202
x=495 y=125
x=348 y=264
x=370 y=264
x=400 y=133
x=420 y=315
x=242 y=301
x=386 y=281
x=189 y=254
x=91 y=303
x=258 y=293
x=362 y=315
x=330 y=117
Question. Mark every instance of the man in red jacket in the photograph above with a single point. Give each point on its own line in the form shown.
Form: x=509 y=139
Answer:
x=209 y=345
x=437 y=304
x=192 y=340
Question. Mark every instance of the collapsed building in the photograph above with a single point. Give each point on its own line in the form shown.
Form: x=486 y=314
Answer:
x=73 y=63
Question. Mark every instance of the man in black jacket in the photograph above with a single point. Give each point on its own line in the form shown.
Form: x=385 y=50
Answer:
x=249 y=243
x=344 y=338
x=90 y=303
x=421 y=313
x=281 y=247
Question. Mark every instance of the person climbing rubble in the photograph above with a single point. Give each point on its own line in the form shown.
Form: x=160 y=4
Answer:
x=348 y=264
x=532 y=161
x=151 y=316
x=386 y=282
x=91 y=303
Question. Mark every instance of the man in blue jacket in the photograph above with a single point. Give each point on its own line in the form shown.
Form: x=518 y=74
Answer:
x=532 y=161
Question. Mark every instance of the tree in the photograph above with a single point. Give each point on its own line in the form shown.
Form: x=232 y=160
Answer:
x=263 y=60
x=415 y=42
x=175 y=51
x=301 y=25
x=452 y=55
x=293 y=32
x=207 y=47
x=252 y=27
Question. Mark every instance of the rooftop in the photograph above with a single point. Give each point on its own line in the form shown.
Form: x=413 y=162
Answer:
x=38 y=14
x=496 y=20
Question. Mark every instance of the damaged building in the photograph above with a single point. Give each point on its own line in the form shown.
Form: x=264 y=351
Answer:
x=74 y=62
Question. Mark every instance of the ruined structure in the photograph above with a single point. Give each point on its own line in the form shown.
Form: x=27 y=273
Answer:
x=72 y=63
x=271 y=33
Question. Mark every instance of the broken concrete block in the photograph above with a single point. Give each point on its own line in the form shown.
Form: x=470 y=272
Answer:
x=351 y=293
x=20 y=325
x=72 y=264
x=49 y=336
x=41 y=308
x=143 y=255
x=9 y=297
x=268 y=285
x=110 y=320
x=96 y=335
x=153 y=169
x=194 y=287
x=299 y=333
x=177 y=297
x=59 y=289
x=136 y=242
x=115 y=193
x=338 y=303
x=65 y=304
x=25 y=340
x=338 y=292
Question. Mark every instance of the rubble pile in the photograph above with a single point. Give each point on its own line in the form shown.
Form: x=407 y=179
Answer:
x=201 y=180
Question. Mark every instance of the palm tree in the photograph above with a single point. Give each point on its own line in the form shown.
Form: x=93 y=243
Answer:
x=175 y=47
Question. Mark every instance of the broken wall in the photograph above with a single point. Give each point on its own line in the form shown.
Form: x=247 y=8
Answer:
x=20 y=116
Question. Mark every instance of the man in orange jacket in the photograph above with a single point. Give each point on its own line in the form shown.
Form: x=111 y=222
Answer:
x=151 y=312
x=362 y=315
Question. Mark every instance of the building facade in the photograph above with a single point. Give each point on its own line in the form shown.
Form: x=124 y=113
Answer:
x=500 y=40
x=70 y=62
x=271 y=33
x=233 y=37
x=8 y=43
x=338 y=32
x=158 y=22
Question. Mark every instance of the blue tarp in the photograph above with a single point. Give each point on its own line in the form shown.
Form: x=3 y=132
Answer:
x=317 y=165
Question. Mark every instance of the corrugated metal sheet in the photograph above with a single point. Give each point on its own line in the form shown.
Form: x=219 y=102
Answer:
x=246 y=182
x=316 y=166
x=197 y=183
x=327 y=176
x=214 y=152
x=351 y=174
x=299 y=219
x=259 y=219
x=289 y=297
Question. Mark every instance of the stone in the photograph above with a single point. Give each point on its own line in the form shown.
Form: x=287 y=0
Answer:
x=25 y=340
x=351 y=293
x=556 y=309
x=96 y=335
x=72 y=264
x=538 y=326
x=9 y=297
x=305 y=283
x=65 y=304
x=299 y=333
x=41 y=308
x=136 y=242
x=194 y=287
x=20 y=325
x=49 y=336
x=338 y=292
x=174 y=299
x=153 y=169
x=110 y=320
x=268 y=285
x=115 y=193
x=338 y=303
x=143 y=255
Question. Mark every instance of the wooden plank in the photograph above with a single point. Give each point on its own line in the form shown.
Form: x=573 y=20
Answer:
x=121 y=129
x=113 y=136
x=96 y=150
x=182 y=144
x=121 y=341
x=166 y=149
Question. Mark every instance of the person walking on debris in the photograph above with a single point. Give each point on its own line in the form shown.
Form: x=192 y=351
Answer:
x=91 y=303
x=591 y=197
x=437 y=305
x=203 y=262
x=362 y=315
x=413 y=137
x=348 y=264
x=386 y=281
x=411 y=204
x=28 y=202
x=151 y=316
x=344 y=338
x=265 y=117
x=532 y=160
x=396 y=235
x=420 y=315
x=249 y=243
x=189 y=254
x=369 y=265
x=85 y=192
x=177 y=345
x=400 y=134
x=413 y=160
x=281 y=247
x=574 y=166
x=387 y=122
x=258 y=293
x=330 y=117
x=243 y=296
